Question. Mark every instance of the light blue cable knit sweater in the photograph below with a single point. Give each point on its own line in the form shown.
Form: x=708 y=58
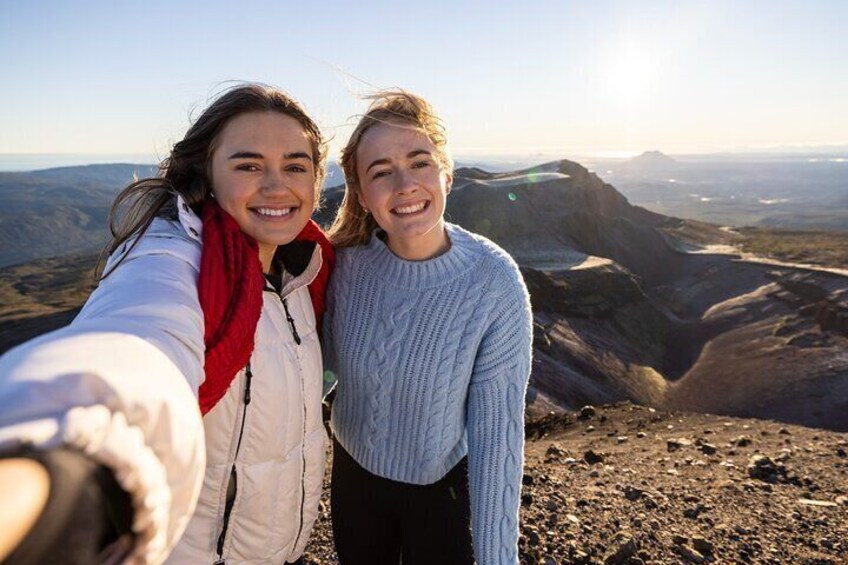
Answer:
x=432 y=359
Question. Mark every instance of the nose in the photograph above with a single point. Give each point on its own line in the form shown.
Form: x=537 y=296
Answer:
x=273 y=181
x=405 y=182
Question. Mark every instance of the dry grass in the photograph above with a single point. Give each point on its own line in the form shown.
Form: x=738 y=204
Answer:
x=825 y=248
x=42 y=295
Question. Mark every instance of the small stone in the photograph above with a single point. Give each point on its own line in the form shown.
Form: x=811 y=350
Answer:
x=742 y=441
x=691 y=555
x=783 y=431
x=590 y=428
x=693 y=512
x=640 y=435
x=586 y=413
x=527 y=480
x=677 y=444
x=762 y=468
x=554 y=453
x=655 y=525
x=623 y=550
x=702 y=545
x=622 y=439
x=708 y=449
x=592 y=458
x=678 y=539
x=632 y=494
x=821 y=503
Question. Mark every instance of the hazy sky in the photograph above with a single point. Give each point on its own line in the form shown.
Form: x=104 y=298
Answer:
x=570 y=77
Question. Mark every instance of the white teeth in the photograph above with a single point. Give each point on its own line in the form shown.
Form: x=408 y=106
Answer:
x=410 y=209
x=273 y=212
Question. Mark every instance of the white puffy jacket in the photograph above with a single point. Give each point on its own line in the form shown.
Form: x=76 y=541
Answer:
x=121 y=384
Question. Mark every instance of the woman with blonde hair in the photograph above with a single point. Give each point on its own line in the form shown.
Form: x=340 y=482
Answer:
x=180 y=412
x=429 y=333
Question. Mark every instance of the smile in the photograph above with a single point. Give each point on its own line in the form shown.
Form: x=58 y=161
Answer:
x=411 y=208
x=273 y=212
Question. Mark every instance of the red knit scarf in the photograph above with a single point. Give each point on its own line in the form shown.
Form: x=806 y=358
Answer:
x=230 y=292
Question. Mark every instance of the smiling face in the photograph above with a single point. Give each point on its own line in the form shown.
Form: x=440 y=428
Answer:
x=263 y=176
x=403 y=185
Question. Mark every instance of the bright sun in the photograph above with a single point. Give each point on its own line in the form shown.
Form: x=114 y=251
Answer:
x=631 y=75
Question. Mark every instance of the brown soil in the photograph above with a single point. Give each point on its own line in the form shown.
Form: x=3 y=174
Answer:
x=633 y=485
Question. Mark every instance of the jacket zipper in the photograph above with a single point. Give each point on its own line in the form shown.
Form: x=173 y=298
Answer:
x=291 y=322
x=303 y=432
x=232 y=484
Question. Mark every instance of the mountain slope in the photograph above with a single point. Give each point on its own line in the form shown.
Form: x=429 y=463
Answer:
x=633 y=305
x=58 y=211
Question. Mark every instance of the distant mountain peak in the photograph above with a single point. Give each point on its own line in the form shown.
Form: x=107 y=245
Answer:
x=652 y=159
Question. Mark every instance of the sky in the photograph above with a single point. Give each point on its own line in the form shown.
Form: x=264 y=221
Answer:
x=602 y=77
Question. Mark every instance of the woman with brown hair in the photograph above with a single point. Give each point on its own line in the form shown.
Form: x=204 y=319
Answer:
x=181 y=410
x=429 y=333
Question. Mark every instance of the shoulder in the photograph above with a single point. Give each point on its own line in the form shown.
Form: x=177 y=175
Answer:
x=494 y=260
x=347 y=258
x=163 y=237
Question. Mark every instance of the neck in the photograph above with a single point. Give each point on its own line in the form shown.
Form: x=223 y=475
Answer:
x=266 y=256
x=423 y=247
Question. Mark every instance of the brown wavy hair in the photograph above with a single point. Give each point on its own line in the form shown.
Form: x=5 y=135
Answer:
x=353 y=225
x=186 y=171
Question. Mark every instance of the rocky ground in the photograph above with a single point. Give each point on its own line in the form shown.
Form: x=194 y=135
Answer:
x=626 y=484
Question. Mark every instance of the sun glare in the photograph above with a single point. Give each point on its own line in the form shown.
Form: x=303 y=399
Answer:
x=631 y=75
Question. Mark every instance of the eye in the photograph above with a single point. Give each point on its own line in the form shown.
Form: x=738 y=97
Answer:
x=379 y=174
x=297 y=168
x=249 y=167
x=421 y=164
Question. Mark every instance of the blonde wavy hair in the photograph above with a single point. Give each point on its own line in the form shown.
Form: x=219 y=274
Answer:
x=397 y=107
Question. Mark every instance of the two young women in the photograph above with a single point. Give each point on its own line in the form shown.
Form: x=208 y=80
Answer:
x=212 y=297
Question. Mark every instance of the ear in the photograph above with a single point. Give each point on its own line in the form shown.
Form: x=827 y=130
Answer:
x=448 y=182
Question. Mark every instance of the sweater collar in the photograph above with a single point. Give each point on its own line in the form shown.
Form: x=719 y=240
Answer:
x=462 y=256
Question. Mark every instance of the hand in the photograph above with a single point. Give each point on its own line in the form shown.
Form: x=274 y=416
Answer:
x=24 y=486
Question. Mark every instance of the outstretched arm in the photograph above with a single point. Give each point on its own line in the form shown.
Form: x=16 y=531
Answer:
x=119 y=385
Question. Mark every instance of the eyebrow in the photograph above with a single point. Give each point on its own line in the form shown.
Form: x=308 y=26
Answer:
x=254 y=155
x=410 y=155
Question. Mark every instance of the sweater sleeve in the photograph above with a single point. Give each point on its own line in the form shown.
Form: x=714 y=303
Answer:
x=496 y=426
x=120 y=385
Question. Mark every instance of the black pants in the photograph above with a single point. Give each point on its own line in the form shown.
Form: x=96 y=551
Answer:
x=378 y=521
